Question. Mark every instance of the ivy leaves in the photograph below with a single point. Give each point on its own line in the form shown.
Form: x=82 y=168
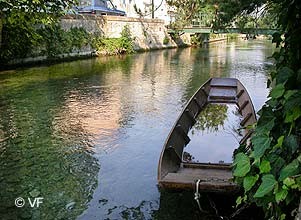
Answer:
x=267 y=185
x=278 y=91
x=270 y=171
x=291 y=169
x=271 y=176
x=242 y=163
x=261 y=143
x=249 y=182
x=265 y=167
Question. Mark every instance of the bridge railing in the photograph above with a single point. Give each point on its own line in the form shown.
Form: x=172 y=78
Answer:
x=193 y=29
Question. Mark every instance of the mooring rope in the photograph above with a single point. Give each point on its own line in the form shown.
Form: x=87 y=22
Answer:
x=197 y=195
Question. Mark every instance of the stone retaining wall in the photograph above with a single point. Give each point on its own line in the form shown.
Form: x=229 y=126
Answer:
x=147 y=33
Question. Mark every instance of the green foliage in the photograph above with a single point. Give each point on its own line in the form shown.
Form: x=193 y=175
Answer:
x=49 y=40
x=268 y=183
x=274 y=180
x=242 y=164
x=216 y=36
x=192 y=12
x=17 y=40
x=166 y=40
x=249 y=182
x=232 y=36
x=114 y=46
x=55 y=41
x=127 y=41
x=19 y=21
x=221 y=13
x=196 y=40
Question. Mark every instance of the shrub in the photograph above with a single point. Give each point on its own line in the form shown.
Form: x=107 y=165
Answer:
x=114 y=46
x=166 y=40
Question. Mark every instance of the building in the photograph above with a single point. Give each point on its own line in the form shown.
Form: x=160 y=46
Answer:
x=137 y=8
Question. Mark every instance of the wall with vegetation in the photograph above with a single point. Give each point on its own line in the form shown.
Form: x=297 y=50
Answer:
x=146 y=33
x=89 y=35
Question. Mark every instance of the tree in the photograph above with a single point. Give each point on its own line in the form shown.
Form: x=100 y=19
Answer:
x=224 y=12
x=19 y=20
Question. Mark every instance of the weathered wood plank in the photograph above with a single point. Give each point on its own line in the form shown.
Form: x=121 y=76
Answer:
x=222 y=93
x=207 y=166
x=244 y=121
x=214 y=180
x=243 y=105
x=223 y=82
x=240 y=93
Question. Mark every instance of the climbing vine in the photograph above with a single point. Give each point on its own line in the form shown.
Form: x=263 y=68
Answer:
x=269 y=171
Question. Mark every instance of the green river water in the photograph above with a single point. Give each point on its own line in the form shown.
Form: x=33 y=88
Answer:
x=86 y=135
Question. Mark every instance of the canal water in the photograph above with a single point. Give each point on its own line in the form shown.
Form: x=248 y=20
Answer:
x=85 y=136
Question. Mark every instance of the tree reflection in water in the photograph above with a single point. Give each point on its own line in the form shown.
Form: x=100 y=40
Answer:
x=217 y=130
x=211 y=118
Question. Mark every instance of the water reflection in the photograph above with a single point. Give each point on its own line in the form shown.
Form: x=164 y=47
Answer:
x=215 y=135
x=212 y=117
x=87 y=135
x=39 y=160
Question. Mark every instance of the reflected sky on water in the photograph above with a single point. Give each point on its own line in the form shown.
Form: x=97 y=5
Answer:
x=87 y=135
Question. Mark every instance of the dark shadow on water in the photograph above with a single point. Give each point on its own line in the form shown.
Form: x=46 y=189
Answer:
x=181 y=205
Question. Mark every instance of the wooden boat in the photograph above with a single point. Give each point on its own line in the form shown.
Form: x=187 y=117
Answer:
x=176 y=174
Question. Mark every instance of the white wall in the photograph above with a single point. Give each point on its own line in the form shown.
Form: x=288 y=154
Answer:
x=145 y=7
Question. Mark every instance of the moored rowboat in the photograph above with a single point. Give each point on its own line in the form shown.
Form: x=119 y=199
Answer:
x=176 y=173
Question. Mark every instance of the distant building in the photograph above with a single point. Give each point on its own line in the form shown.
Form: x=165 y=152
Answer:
x=137 y=8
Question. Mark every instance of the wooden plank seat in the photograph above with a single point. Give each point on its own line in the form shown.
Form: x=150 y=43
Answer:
x=223 y=82
x=222 y=94
x=211 y=179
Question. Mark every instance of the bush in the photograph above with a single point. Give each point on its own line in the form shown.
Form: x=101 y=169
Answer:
x=114 y=46
x=166 y=40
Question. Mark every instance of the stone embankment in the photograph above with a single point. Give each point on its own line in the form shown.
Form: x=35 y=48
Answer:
x=148 y=34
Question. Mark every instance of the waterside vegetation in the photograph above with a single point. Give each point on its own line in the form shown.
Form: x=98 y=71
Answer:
x=269 y=169
x=53 y=42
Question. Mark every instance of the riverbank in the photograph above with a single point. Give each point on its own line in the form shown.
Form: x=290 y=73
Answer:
x=93 y=35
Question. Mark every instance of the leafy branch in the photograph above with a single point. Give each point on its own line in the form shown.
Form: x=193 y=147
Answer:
x=270 y=171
